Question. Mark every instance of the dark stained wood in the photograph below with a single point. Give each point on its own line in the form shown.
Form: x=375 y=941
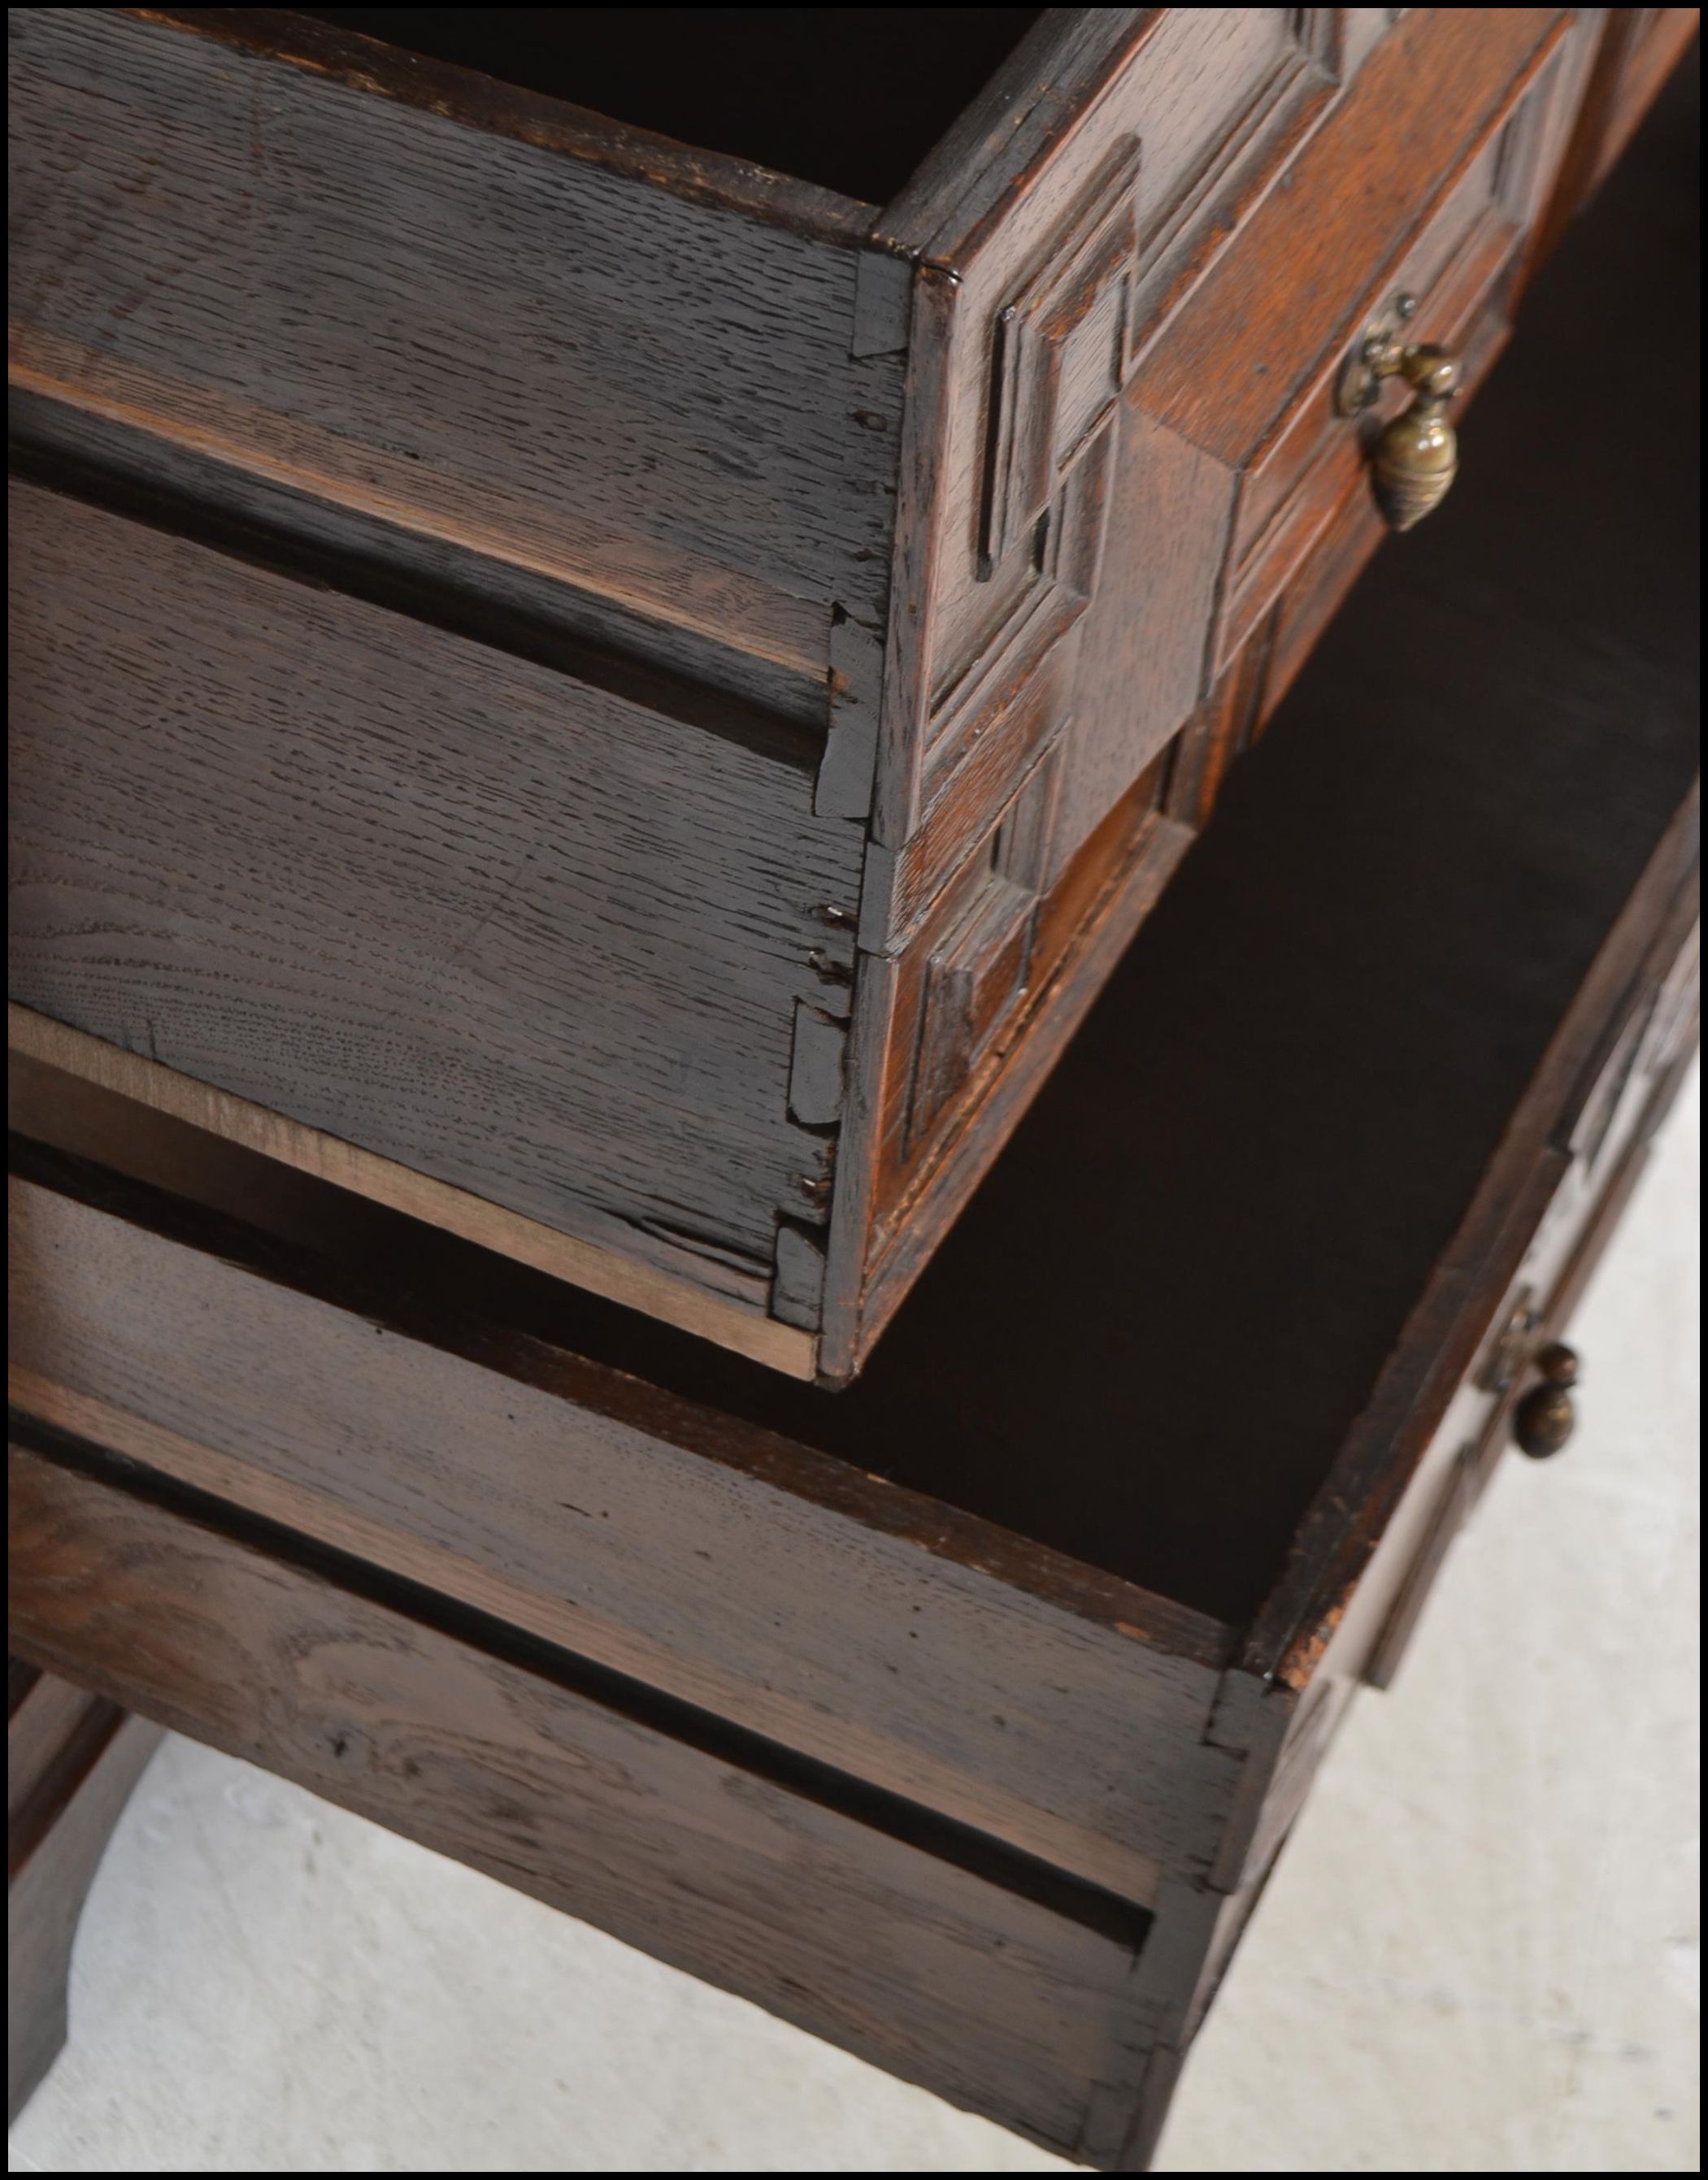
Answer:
x=516 y=104
x=1493 y=1248
x=1058 y=1709
x=930 y=1162
x=1560 y=1176
x=1246 y=375
x=1287 y=1729
x=273 y=1366
x=1275 y=653
x=423 y=896
x=1185 y=92
x=36 y=1041
x=698 y=678
x=1496 y=809
x=287 y=247
x=1200 y=380
x=72 y=1761
x=927 y=1968
x=1381 y=769
x=1366 y=1626
x=1577 y=1228
x=1598 y=627
x=1141 y=356
x=1237 y=1352
x=1049 y=215
x=1271 y=1740
x=1495 y=812
x=848 y=98
x=963 y=508
x=1066 y=61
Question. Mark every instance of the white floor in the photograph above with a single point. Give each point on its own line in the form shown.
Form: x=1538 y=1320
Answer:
x=1479 y=1953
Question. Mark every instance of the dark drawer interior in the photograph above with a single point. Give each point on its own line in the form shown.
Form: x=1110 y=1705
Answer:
x=1144 y=1345
x=851 y=98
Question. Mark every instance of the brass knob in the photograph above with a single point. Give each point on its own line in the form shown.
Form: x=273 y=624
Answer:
x=1416 y=458
x=1546 y=1417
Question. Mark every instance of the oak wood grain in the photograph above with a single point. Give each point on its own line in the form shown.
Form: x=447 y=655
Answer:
x=1205 y=230
x=268 y=242
x=421 y=895
x=847 y=99
x=1050 y=1707
x=929 y=1969
x=917 y=500
x=75 y=1057
x=1448 y=941
x=701 y=679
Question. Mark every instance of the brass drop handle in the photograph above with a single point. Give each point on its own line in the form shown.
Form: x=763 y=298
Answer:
x=1416 y=457
x=1546 y=1417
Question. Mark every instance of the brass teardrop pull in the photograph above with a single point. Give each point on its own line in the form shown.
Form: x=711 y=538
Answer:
x=1416 y=457
x=1546 y=1417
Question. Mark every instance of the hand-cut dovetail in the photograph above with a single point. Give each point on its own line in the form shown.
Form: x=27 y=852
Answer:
x=839 y=919
x=815 y=1067
x=843 y=785
x=797 y=1286
x=882 y=303
x=829 y=968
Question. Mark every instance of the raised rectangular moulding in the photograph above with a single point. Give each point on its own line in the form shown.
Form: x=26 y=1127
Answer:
x=624 y=698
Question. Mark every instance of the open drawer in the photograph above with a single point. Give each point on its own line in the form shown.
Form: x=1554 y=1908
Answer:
x=973 y=1765
x=623 y=699
x=958 y=1716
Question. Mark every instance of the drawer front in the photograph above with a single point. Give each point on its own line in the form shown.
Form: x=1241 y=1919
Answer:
x=1310 y=460
x=1116 y=473
x=1567 y=1207
x=1603 y=1146
x=1425 y=188
x=1165 y=483
x=461 y=919
x=913 y=1958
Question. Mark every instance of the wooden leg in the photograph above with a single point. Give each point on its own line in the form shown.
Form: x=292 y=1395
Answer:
x=72 y=1761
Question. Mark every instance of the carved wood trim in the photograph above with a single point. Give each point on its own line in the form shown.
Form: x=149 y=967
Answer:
x=978 y=971
x=1037 y=352
x=1455 y=262
x=1182 y=239
x=1060 y=356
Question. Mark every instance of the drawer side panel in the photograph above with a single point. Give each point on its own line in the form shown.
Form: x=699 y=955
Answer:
x=780 y=1590
x=515 y=933
x=483 y=337
x=927 y=1969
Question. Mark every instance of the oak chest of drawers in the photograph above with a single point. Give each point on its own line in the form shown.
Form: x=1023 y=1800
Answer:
x=960 y=1716
x=623 y=699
